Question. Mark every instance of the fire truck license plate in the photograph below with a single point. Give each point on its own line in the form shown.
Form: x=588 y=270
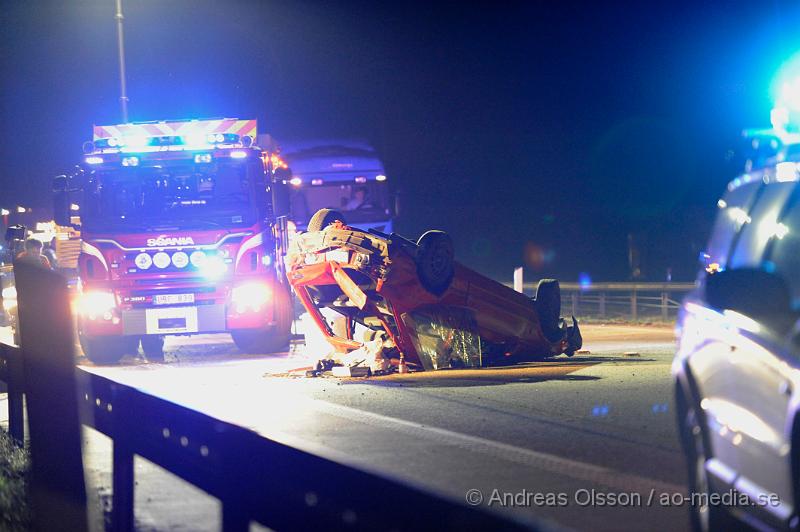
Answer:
x=171 y=320
x=172 y=299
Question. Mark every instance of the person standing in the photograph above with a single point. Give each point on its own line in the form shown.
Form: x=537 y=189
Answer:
x=33 y=254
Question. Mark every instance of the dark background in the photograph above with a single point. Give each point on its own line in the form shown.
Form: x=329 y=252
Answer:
x=536 y=133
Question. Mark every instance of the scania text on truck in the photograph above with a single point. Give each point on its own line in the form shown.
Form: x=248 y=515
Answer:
x=179 y=235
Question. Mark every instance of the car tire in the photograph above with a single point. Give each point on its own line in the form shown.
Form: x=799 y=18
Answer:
x=104 y=350
x=435 y=261
x=548 y=308
x=323 y=218
x=261 y=341
x=704 y=517
x=153 y=347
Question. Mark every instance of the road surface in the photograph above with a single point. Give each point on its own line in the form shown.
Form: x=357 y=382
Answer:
x=584 y=443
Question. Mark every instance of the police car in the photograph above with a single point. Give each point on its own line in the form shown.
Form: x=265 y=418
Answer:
x=737 y=369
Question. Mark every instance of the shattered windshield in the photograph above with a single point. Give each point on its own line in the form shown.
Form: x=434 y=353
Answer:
x=444 y=337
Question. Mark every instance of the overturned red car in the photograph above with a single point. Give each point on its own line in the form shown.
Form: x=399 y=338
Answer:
x=410 y=305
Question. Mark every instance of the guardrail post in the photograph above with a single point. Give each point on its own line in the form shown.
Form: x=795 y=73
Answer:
x=233 y=519
x=634 y=308
x=122 y=485
x=16 y=377
x=664 y=307
x=57 y=492
x=574 y=303
x=602 y=304
x=518 y=282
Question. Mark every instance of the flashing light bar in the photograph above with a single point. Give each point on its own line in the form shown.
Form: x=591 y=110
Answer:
x=189 y=134
x=786 y=172
x=785 y=89
x=139 y=143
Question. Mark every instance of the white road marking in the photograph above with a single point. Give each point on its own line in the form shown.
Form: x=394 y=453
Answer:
x=551 y=463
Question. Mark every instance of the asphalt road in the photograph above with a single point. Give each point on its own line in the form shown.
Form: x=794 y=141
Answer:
x=587 y=443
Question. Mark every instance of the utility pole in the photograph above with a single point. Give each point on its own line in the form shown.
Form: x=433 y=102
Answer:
x=123 y=97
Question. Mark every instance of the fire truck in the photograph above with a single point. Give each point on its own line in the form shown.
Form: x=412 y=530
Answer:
x=180 y=228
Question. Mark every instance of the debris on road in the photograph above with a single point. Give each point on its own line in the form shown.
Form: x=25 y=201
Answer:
x=351 y=371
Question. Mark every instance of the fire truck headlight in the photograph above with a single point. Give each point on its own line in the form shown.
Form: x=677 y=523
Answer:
x=161 y=260
x=238 y=154
x=94 y=304
x=180 y=259
x=213 y=267
x=143 y=261
x=93 y=159
x=197 y=258
x=9 y=297
x=130 y=161
x=250 y=297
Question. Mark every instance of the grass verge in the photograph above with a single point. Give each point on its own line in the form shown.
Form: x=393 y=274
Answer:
x=14 y=511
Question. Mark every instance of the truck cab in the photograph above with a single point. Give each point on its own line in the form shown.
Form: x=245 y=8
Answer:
x=178 y=238
x=343 y=175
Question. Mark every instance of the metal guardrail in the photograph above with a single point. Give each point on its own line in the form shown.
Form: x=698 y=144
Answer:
x=628 y=301
x=255 y=478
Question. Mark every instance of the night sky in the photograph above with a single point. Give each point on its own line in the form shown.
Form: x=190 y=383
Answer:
x=536 y=133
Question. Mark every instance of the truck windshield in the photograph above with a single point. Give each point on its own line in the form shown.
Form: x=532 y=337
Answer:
x=187 y=196
x=362 y=203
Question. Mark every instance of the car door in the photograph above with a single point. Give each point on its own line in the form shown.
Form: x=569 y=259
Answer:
x=758 y=313
x=756 y=418
x=745 y=387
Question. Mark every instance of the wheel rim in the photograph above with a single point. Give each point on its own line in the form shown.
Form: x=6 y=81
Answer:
x=701 y=485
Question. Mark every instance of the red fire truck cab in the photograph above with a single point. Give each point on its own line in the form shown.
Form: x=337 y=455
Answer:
x=178 y=237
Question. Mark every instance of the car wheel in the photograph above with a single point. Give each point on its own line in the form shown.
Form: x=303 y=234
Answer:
x=435 y=261
x=263 y=341
x=548 y=308
x=153 y=347
x=105 y=349
x=323 y=218
x=704 y=516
